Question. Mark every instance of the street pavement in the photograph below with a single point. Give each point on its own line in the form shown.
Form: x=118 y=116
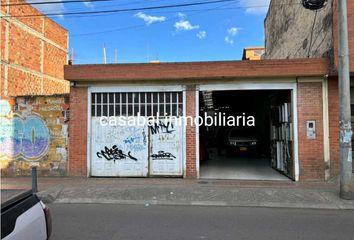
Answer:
x=150 y=222
x=186 y=192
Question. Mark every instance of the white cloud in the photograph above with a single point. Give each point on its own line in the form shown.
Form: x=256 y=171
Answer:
x=148 y=19
x=254 y=6
x=201 y=34
x=181 y=15
x=229 y=40
x=185 y=25
x=88 y=4
x=233 y=31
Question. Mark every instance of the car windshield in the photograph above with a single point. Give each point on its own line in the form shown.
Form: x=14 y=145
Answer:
x=241 y=133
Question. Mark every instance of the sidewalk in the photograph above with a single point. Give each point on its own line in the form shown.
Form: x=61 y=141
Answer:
x=167 y=191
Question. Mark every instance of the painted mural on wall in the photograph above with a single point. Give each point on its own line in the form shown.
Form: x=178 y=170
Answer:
x=27 y=138
x=34 y=131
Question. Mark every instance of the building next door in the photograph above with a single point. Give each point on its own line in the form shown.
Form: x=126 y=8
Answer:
x=136 y=134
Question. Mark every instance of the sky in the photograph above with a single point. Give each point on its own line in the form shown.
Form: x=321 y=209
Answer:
x=211 y=32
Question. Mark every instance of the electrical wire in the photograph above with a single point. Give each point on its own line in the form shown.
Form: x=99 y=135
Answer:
x=312 y=30
x=169 y=20
x=53 y=2
x=144 y=25
x=98 y=7
x=123 y=10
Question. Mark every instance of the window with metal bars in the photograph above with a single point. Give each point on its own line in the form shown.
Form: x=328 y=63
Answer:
x=133 y=103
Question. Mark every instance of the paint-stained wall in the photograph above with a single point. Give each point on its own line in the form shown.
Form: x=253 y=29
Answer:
x=291 y=31
x=34 y=131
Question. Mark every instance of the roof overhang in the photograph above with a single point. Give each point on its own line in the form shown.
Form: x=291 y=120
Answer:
x=310 y=67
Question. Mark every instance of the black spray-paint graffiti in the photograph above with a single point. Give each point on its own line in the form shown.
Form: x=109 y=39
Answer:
x=162 y=155
x=114 y=154
x=161 y=127
x=144 y=138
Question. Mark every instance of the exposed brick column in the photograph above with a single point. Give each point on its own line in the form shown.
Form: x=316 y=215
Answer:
x=311 y=154
x=78 y=132
x=333 y=106
x=191 y=168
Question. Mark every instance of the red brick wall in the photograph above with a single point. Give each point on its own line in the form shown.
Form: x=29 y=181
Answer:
x=27 y=50
x=333 y=106
x=191 y=168
x=310 y=151
x=54 y=61
x=351 y=32
x=2 y=81
x=32 y=22
x=55 y=32
x=24 y=49
x=18 y=79
x=78 y=132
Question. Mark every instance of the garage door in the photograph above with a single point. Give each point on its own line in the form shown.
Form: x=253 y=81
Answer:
x=136 y=134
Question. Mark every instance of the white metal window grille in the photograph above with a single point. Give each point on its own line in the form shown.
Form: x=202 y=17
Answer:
x=132 y=103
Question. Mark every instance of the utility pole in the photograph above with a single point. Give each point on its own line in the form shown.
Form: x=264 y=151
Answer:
x=72 y=55
x=346 y=164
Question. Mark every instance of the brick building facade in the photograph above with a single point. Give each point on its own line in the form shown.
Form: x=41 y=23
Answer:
x=33 y=52
x=306 y=81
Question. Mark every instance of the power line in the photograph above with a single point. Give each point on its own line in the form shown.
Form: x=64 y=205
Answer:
x=312 y=30
x=118 y=5
x=169 y=20
x=53 y=2
x=144 y=25
x=124 y=10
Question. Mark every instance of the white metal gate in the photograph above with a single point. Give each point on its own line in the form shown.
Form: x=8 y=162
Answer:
x=124 y=144
x=165 y=148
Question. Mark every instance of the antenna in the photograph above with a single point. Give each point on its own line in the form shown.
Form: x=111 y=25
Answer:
x=71 y=59
x=116 y=55
x=72 y=55
x=104 y=55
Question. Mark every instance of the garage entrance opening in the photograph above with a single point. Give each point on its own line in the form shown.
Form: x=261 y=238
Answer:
x=242 y=150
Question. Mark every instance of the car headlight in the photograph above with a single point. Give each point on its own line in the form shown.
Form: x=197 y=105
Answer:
x=253 y=143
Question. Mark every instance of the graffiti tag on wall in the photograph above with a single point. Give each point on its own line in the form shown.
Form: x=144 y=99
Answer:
x=136 y=140
x=114 y=154
x=161 y=127
x=27 y=138
x=162 y=155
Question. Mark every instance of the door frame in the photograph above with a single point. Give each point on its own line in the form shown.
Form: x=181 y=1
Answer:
x=128 y=88
x=288 y=85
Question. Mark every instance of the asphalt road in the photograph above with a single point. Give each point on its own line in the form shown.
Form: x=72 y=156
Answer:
x=123 y=222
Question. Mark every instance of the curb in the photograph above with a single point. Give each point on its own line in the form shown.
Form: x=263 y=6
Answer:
x=51 y=194
x=147 y=203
